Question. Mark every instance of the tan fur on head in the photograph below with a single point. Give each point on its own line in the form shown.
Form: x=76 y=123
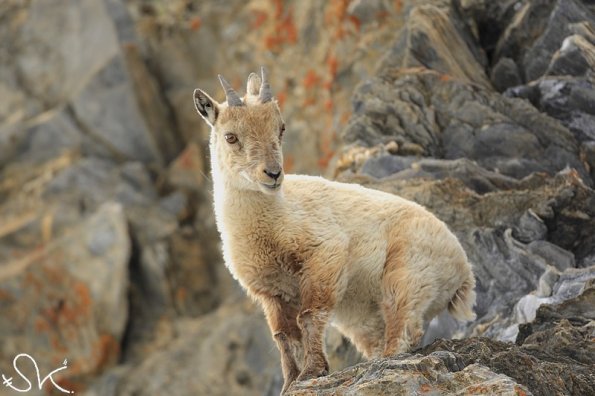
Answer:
x=309 y=249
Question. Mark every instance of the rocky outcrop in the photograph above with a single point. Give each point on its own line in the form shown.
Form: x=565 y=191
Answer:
x=482 y=111
x=553 y=355
x=436 y=373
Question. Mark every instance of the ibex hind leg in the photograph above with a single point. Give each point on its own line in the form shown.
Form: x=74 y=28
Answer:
x=403 y=308
x=368 y=338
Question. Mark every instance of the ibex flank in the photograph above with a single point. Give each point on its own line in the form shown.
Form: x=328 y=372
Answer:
x=376 y=266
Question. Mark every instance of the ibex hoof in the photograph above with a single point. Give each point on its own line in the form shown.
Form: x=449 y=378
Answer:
x=314 y=372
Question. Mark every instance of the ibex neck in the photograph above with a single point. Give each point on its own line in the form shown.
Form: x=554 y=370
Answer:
x=232 y=202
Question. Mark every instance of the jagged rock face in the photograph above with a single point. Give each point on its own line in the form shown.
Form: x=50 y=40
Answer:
x=415 y=130
x=450 y=119
x=482 y=111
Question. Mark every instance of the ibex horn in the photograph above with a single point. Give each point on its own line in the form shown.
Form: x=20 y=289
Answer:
x=265 y=94
x=232 y=97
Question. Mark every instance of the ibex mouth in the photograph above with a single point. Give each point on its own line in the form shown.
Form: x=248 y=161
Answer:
x=271 y=186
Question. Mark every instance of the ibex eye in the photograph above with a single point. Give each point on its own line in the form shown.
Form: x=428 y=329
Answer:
x=281 y=130
x=231 y=138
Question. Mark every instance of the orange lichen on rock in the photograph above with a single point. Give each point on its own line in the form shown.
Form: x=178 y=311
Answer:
x=445 y=77
x=333 y=65
x=288 y=163
x=337 y=16
x=69 y=384
x=519 y=391
x=345 y=117
x=356 y=22
x=105 y=351
x=398 y=5
x=4 y=295
x=70 y=309
x=259 y=17
x=328 y=105
x=309 y=101
x=41 y=325
x=311 y=79
x=195 y=23
x=281 y=99
x=326 y=150
x=181 y=294
x=284 y=30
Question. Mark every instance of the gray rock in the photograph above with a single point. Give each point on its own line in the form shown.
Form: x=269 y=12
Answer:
x=68 y=70
x=385 y=165
x=588 y=154
x=433 y=40
x=520 y=32
x=530 y=228
x=568 y=99
x=553 y=255
x=539 y=55
x=470 y=173
x=366 y=11
x=568 y=285
x=59 y=53
x=505 y=74
x=576 y=57
x=488 y=20
x=106 y=110
x=549 y=373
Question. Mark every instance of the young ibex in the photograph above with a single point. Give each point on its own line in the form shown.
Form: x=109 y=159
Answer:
x=313 y=251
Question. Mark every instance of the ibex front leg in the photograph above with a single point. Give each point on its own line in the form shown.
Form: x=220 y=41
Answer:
x=281 y=318
x=312 y=322
x=320 y=288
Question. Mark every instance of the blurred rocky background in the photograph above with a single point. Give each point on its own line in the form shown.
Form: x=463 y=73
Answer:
x=483 y=111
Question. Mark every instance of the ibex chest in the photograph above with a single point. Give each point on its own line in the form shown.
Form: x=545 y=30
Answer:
x=264 y=265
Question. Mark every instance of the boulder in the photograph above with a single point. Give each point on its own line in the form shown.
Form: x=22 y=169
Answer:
x=229 y=352
x=505 y=74
x=67 y=299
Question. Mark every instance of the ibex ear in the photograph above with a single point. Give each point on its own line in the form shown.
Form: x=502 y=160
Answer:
x=253 y=84
x=206 y=106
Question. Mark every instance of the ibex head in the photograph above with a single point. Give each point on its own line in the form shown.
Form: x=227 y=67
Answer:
x=246 y=134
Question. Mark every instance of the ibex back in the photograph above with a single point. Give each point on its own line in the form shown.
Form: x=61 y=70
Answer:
x=313 y=251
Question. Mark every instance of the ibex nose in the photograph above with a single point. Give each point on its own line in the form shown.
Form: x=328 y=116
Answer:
x=273 y=175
